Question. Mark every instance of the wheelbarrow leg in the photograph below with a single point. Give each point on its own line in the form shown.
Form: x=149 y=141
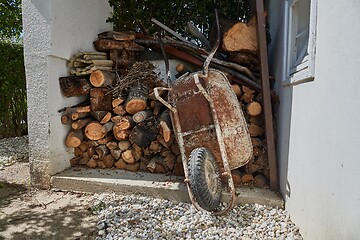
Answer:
x=227 y=172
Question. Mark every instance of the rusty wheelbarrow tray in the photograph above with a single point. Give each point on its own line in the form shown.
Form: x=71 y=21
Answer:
x=208 y=123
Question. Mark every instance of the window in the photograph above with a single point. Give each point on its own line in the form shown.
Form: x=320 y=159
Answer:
x=301 y=26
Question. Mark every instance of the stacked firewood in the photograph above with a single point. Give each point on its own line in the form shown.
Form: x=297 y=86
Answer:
x=121 y=124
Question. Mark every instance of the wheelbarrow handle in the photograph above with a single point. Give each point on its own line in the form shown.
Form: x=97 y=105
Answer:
x=160 y=99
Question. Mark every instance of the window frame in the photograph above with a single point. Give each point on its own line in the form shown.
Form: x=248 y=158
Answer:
x=305 y=71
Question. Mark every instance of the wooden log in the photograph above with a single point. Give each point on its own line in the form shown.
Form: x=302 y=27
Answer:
x=142 y=135
x=99 y=78
x=246 y=178
x=128 y=157
x=83 y=146
x=170 y=161
x=95 y=131
x=108 y=44
x=120 y=134
x=253 y=109
x=78 y=151
x=122 y=58
x=247 y=89
x=112 y=145
x=237 y=90
x=178 y=169
x=255 y=130
x=78 y=115
x=117 y=101
x=158 y=108
x=258 y=120
x=109 y=161
x=235 y=174
x=175 y=149
x=116 y=153
x=106 y=118
x=125 y=123
x=134 y=167
x=92 y=163
x=102 y=151
x=116 y=119
x=84 y=160
x=98 y=115
x=100 y=99
x=119 y=110
x=137 y=99
x=82 y=109
x=142 y=115
x=73 y=86
x=120 y=164
x=74 y=138
x=157 y=165
x=247 y=97
x=79 y=124
x=155 y=147
x=248 y=41
x=260 y=181
x=90 y=152
x=124 y=145
x=108 y=137
x=75 y=161
x=65 y=119
x=101 y=164
x=120 y=36
x=101 y=64
x=137 y=152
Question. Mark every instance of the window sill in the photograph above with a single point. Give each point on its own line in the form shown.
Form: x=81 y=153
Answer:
x=300 y=77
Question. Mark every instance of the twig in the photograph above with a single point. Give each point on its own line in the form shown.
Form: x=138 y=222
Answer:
x=172 y=32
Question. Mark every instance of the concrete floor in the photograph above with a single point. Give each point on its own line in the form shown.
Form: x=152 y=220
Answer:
x=154 y=185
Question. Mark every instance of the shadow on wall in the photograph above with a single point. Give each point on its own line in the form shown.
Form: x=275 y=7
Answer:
x=44 y=215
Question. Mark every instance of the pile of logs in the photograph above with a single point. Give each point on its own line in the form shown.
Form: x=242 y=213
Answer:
x=121 y=125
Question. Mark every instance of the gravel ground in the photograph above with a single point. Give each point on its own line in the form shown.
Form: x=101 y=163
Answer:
x=138 y=217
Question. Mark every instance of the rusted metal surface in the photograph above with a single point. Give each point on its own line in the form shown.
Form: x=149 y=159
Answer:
x=195 y=114
x=269 y=127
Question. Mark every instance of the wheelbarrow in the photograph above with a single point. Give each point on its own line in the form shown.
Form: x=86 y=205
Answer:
x=212 y=134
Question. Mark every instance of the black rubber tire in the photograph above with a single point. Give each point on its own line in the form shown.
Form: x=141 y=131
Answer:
x=204 y=176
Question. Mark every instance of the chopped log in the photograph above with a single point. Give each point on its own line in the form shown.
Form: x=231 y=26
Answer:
x=108 y=138
x=247 y=89
x=165 y=152
x=257 y=151
x=255 y=130
x=137 y=99
x=170 y=161
x=116 y=119
x=73 y=86
x=125 y=123
x=236 y=177
x=79 y=124
x=158 y=107
x=122 y=58
x=78 y=151
x=142 y=135
x=175 y=149
x=101 y=78
x=120 y=36
x=108 y=44
x=133 y=167
x=244 y=58
x=260 y=181
x=100 y=99
x=84 y=160
x=74 y=138
x=119 y=110
x=120 y=134
x=181 y=68
x=75 y=161
x=82 y=109
x=95 y=131
x=65 y=119
x=102 y=151
x=106 y=118
x=247 y=178
x=258 y=120
x=117 y=101
x=157 y=165
x=101 y=164
x=83 y=146
x=248 y=41
x=128 y=157
x=90 y=151
x=256 y=142
x=247 y=97
x=112 y=145
x=137 y=152
x=124 y=145
x=155 y=147
x=262 y=160
x=120 y=164
x=141 y=116
x=253 y=109
x=109 y=161
x=178 y=169
x=92 y=163
x=116 y=153
x=77 y=115
x=98 y=115
x=252 y=167
x=237 y=90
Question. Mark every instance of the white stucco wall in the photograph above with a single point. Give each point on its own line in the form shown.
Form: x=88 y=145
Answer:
x=318 y=125
x=53 y=31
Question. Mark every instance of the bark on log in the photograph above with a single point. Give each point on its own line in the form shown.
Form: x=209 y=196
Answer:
x=79 y=124
x=116 y=153
x=133 y=167
x=120 y=36
x=72 y=86
x=101 y=99
x=102 y=151
x=120 y=164
x=101 y=78
x=106 y=118
x=108 y=44
x=109 y=161
x=141 y=116
x=125 y=123
x=107 y=138
x=137 y=99
x=142 y=135
x=77 y=115
x=98 y=115
x=74 y=138
x=117 y=101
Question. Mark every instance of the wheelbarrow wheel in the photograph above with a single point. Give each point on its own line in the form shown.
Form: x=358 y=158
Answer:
x=204 y=178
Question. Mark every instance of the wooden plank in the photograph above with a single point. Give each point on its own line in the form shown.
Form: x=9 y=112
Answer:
x=269 y=126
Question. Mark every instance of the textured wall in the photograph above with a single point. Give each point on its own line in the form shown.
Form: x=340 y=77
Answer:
x=318 y=125
x=53 y=31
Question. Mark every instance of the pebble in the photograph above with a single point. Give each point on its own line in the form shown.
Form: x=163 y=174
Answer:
x=13 y=150
x=143 y=217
